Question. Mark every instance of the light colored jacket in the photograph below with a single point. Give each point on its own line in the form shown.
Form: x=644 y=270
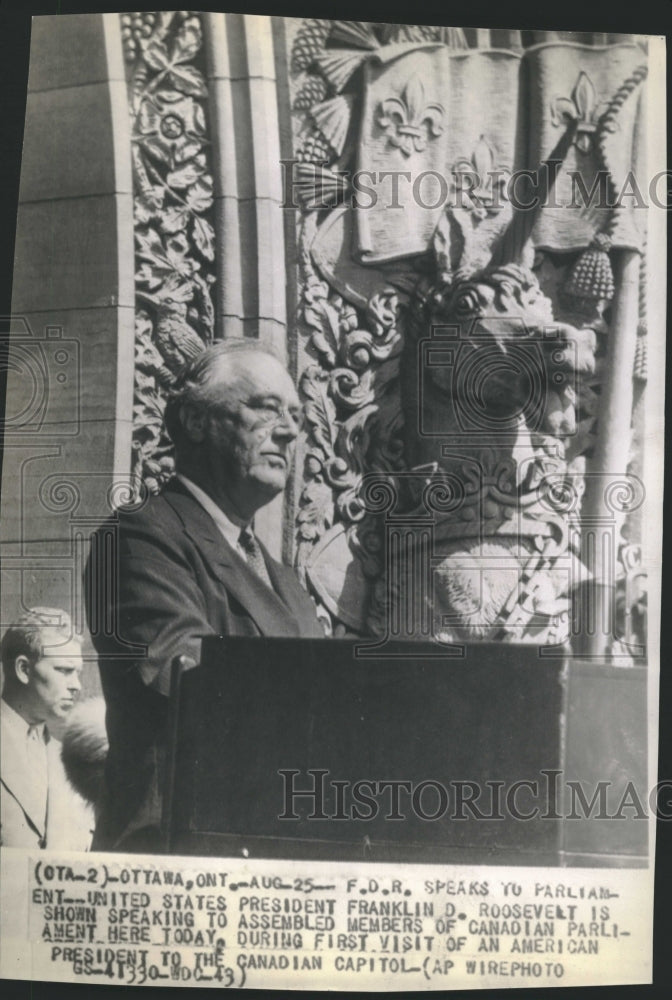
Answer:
x=69 y=820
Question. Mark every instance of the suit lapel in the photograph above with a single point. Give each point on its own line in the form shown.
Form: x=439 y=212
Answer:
x=267 y=609
x=17 y=779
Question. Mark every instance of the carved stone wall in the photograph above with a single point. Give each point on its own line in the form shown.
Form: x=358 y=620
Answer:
x=173 y=215
x=463 y=364
x=160 y=225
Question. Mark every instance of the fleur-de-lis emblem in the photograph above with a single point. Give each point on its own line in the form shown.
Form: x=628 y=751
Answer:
x=484 y=197
x=581 y=108
x=409 y=122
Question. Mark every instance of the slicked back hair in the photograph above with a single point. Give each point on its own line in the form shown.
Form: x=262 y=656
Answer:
x=200 y=377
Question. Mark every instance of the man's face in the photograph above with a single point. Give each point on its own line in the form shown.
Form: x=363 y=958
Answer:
x=252 y=437
x=54 y=681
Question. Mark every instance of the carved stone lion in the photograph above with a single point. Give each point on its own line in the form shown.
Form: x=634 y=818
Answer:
x=489 y=391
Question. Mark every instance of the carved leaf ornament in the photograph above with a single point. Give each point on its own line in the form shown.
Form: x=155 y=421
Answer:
x=173 y=214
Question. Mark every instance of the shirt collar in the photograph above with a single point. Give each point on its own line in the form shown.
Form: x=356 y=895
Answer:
x=228 y=529
x=10 y=720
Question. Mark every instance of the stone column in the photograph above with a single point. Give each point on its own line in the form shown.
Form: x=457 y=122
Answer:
x=250 y=257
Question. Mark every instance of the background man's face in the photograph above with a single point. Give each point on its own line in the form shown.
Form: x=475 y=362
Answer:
x=55 y=680
x=252 y=439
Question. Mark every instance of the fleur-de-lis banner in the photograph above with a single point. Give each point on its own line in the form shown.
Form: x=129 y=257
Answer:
x=423 y=112
x=431 y=113
x=597 y=93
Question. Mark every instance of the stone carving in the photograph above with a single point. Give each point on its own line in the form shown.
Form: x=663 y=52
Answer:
x=486 y=196
x=582 y=108
x=173 y=202
x=501 y=430
x=410 y=122
x=496 y=418
x=496 y=445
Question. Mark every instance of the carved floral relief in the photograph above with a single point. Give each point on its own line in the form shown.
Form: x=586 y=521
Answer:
x=174 y=226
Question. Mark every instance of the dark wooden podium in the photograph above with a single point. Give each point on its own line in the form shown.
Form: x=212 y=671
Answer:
x=260 y=718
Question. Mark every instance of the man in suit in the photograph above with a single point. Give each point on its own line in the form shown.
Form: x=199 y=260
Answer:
x=42 y=664
x=188 y=564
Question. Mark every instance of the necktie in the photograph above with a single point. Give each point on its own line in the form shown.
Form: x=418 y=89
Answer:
x=255 y=559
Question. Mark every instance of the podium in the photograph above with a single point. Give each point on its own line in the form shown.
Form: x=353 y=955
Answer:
x=485 y=753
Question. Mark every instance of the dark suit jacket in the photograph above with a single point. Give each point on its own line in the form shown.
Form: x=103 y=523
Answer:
x=166 y=579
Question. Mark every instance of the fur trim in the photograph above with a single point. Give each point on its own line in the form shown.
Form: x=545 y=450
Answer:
x=84 y=748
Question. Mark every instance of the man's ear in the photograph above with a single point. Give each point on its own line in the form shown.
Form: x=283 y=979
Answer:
x=194 y=421
x=22 y=669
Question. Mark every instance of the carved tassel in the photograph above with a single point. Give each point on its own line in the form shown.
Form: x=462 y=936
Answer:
x=315 y=149
x=309 y=42
x=313 y=91
x=591 y=280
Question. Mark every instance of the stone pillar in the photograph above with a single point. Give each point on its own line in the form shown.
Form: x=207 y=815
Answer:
x=70 y=379
x=248 y=179
x=250 y=257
